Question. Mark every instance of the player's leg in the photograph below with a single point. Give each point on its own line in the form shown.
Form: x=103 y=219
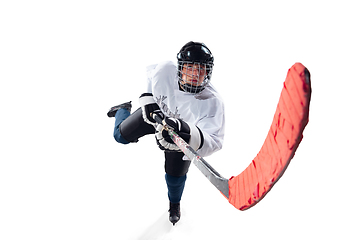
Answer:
x=129 y=127
x=176 y=169
x=120 y=116
x=175 y=186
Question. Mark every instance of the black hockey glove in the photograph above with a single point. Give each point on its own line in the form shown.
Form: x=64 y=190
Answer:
x=149 y=106
x=189 y=132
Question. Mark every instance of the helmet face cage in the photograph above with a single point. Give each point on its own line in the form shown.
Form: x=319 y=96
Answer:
x=195 y=64
x=194 y=76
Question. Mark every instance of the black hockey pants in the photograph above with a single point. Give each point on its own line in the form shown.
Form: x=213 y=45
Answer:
x=129 y=128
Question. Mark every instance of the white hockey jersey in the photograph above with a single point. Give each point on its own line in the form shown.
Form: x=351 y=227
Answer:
x=205 y=109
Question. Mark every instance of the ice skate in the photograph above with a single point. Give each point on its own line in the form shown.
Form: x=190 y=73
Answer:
x=174 y=213
x=114 y=109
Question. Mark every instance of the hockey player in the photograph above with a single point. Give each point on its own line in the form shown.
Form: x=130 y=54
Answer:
x=186 y=100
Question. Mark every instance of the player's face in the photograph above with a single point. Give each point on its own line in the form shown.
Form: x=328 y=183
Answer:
x=193 y=74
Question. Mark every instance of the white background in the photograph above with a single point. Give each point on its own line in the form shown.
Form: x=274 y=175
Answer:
x=63 y=64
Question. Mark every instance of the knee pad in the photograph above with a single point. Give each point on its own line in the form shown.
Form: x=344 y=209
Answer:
x=175 y=165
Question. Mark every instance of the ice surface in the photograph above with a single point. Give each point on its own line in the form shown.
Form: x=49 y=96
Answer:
x=162 y=229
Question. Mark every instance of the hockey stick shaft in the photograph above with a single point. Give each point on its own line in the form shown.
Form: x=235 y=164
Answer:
x=210 y=173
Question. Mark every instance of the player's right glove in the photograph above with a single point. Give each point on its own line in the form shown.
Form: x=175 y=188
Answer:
x=149 y=106
x=187 y=131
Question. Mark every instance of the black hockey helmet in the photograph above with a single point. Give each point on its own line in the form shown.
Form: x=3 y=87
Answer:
x=195 y=53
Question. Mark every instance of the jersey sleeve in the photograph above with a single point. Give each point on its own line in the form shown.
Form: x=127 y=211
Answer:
x=212 y=127
x=149 y=74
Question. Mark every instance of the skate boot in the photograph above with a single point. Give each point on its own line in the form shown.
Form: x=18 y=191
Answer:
x=114 y=109
x=174 y=211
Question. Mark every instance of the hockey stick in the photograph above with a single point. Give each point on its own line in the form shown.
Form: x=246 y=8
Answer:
x=284 y=136
x=210 y=173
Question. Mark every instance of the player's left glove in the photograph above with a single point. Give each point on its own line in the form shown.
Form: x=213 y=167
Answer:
x=187 y=131
x=149 y=107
